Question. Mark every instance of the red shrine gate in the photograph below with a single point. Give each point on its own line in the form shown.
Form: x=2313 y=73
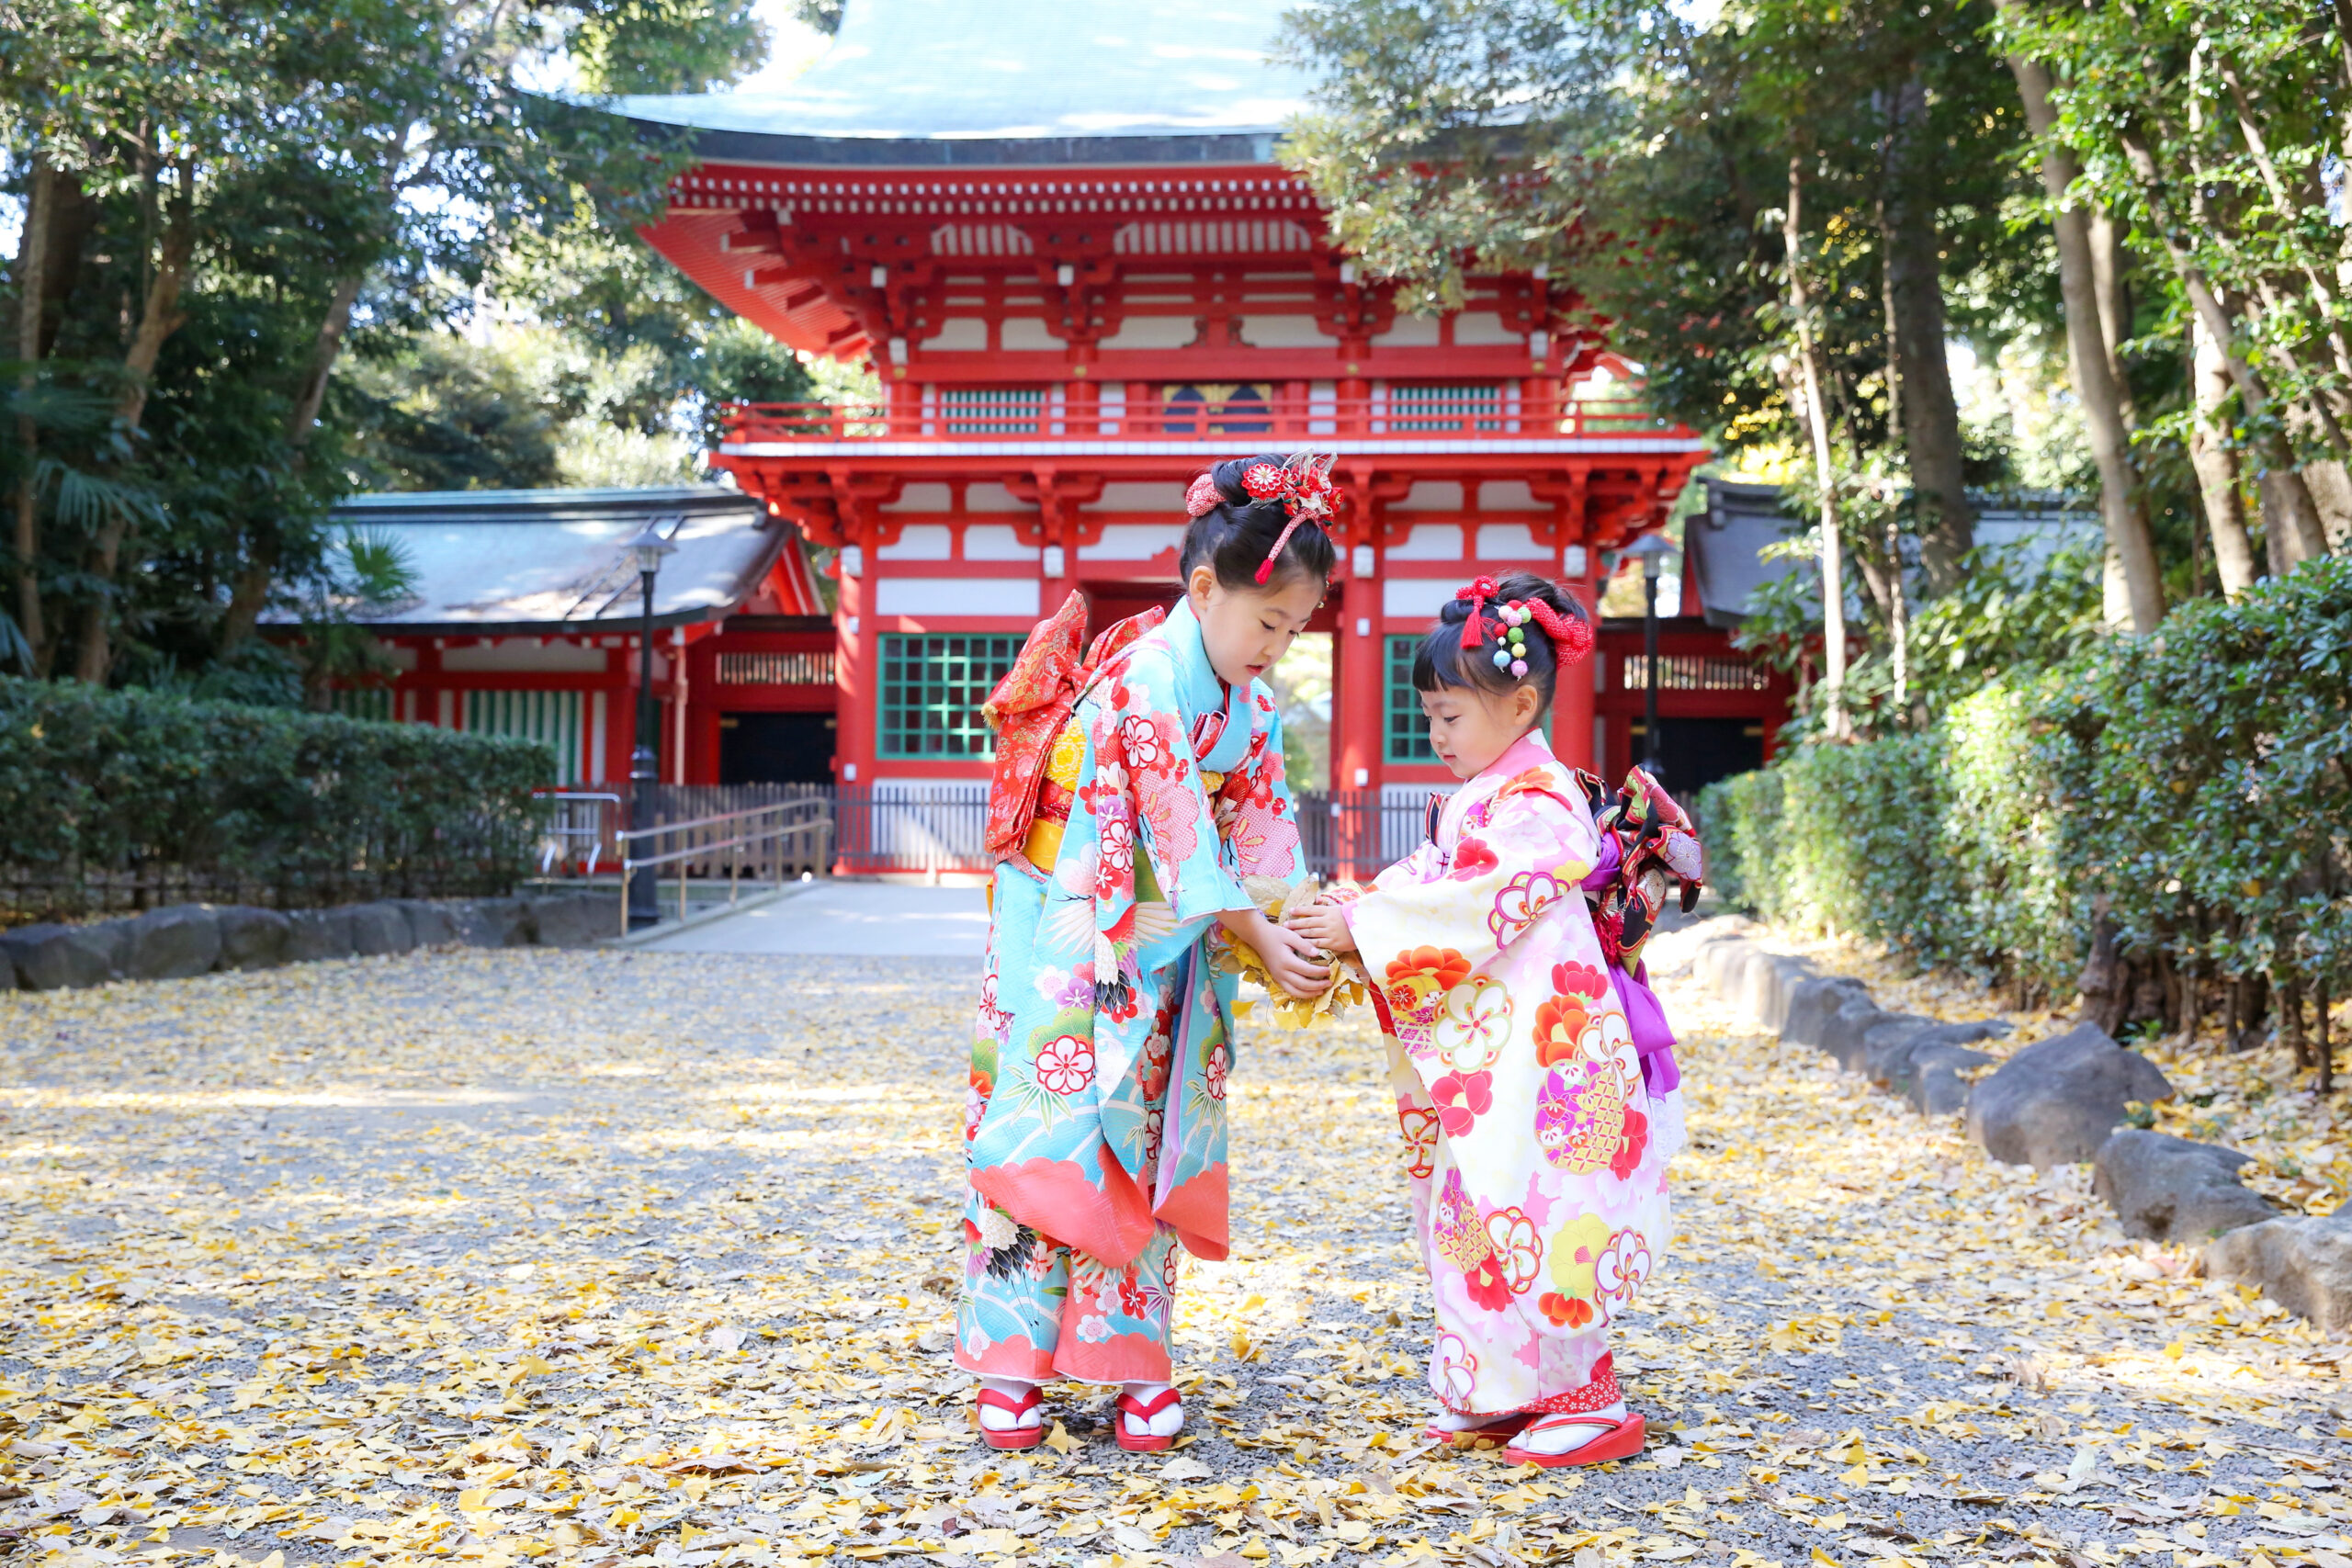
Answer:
x=1063 y=348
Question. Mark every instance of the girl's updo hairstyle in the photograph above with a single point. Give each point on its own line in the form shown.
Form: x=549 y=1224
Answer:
x=1444 y=662
x=1234 y=536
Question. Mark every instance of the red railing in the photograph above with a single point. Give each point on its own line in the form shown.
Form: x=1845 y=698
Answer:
x=1282 y=422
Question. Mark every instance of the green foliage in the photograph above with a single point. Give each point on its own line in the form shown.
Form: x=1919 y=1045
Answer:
x=231 y=194
x=257 y=804
x=2194 y=782
x=614 y=374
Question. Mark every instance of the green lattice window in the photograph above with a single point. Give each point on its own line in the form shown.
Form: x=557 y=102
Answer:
x=1408 y=730
x=551 y=718
x=1478 y=406
x=992 y=411
x=933 y=686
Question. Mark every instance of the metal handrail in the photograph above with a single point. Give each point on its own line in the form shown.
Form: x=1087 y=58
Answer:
x=556 y=832
x=744 y=830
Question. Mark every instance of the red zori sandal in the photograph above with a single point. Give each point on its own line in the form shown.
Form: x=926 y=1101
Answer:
x=1021 y=1433
x=1617 y=1440
x=1140 y=1412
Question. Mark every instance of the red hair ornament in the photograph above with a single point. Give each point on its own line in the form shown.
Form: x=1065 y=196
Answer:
x=1571 y=634
x=1303 y=485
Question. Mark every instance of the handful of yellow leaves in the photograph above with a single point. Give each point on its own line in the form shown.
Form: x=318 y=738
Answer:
x=1237 y=957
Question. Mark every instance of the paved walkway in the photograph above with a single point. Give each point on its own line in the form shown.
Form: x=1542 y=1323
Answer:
x=849 y=920
x=630 y=1259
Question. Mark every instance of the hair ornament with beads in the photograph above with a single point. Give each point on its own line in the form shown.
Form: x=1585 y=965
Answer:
x=1571 y=637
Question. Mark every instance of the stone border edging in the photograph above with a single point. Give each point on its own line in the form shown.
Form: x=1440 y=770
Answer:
x=180 y=941
x=2056 y=1101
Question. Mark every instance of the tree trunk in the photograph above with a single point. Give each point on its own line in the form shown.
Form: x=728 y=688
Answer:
x=1931 y=415
x=1833 y=551
x=2109 y=267
x=32 y=293
x=159 y=317
x=2217 y=480
x=2091 y=357
x=249 y=595
x=2300 y=513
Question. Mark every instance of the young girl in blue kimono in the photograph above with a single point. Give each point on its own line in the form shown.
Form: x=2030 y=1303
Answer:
x=1137 y=783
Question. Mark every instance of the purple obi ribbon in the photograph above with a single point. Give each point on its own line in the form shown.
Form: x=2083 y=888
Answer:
x=1645 y=1018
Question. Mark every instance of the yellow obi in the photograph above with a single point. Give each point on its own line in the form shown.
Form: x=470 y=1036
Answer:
x=1057 y=788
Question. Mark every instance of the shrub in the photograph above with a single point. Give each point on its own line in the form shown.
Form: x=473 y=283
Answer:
x=131 y=796
x=2194 y=786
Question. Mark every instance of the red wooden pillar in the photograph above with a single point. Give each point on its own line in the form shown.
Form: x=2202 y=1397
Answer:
x=854 y=659
x=1573 y=698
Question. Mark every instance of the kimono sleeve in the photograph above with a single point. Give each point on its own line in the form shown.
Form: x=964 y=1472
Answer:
x=1143 y=749
x=1255 y=813
x=1530 y=849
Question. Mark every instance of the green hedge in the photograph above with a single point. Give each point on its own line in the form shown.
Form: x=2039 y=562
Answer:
x=129 y=798
x=2194 y=785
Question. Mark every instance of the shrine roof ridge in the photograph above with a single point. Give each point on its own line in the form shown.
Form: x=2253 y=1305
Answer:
x=785 y=150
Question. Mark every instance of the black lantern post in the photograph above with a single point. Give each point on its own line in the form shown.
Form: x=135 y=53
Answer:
x=644 y=763
x=1651 y=549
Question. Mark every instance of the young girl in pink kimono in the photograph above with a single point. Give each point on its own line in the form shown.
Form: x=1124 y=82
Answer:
x=1538 y=1121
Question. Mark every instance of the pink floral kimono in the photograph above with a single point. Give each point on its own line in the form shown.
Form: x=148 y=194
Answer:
x=1535 y=1142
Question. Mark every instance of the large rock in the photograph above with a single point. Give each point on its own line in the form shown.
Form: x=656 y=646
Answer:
x=492 y=922
x=2304 y=1265
x=574 y=919
x=431 y=923
x=1901 y=1049
x=1814 y=1002
x=1932 y=1078
x=1845 y=1033
x=253 y=938
x=315 y=935
x=50 y=957
x=2056 y=1102
x=2168 y=1188
x=171 y=943
x=7 y=970
x=378 y=929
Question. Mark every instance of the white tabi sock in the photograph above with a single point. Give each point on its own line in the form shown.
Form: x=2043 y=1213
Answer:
x=1166 y=1423
x=1566 y=1434
x=996 y=1420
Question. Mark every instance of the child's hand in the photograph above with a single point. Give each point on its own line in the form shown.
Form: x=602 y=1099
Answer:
x=1292 y=959
x=1289 y=957
x=1322 y=924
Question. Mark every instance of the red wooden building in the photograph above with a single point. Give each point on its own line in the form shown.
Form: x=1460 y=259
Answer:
x=1060 y=238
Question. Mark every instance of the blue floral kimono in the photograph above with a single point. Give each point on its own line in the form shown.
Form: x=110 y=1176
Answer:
x=1095 y=1127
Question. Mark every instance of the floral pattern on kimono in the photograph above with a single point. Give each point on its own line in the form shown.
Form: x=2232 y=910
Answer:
x=1096 y=1124
x=1536 y=1153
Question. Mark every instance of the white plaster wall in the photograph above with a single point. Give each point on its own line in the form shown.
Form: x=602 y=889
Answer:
x=995 y=541
x=521 y=656
x=1430 y=541
x=956 y=597
x=1432 y=495
x=918 y=541
x=1133 y=541
x=959 y=334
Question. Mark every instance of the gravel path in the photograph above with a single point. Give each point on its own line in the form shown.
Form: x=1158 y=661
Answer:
x=594 y=1258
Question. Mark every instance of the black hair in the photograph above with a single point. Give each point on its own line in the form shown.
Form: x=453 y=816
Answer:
x=1444 y=662
x=1234 y=536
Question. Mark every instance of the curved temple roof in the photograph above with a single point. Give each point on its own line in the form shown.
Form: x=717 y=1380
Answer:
x=911 y=79
x=531 y=563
